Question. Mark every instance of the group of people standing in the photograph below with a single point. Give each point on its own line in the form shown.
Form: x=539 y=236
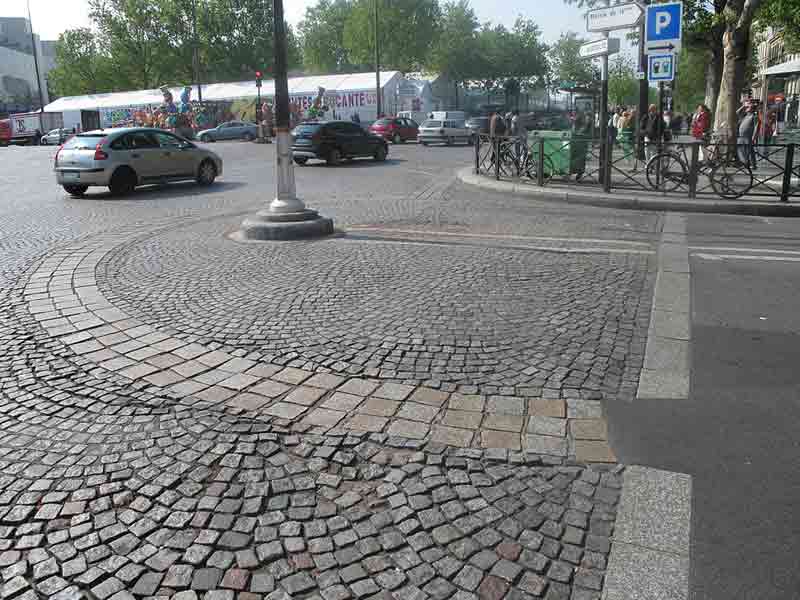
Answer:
x=656 y=129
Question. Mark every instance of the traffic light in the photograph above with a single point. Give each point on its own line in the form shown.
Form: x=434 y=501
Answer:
x=258 y=78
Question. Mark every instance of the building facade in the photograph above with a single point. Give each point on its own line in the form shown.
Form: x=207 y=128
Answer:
x=19 y=90
x=772 y=53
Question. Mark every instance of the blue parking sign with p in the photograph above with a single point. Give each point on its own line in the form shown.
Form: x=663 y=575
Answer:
x=664 y=22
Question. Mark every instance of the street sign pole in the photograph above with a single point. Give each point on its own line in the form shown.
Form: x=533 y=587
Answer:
x=644 y=87
x=605 y=147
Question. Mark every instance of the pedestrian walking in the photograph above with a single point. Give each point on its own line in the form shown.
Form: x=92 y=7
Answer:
x=627 y=129
x=652 y=126
x=701 y=125
x=748 y=130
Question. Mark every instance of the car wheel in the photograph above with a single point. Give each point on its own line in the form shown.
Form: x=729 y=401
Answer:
x=248 y=137
x=450 y=141
x=397 y=139
x=424 y=143
x=300 y=160
x=43 y=142
x=380 y=154
x=123 y=182
x=76 y=190
x=333 y=157
x=207 y=172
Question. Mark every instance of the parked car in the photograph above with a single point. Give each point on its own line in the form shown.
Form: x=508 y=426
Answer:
x=232 y=130
x=5 y=132
x=444 y=132
x=396 y=129
x=478 y=125
x=333 y=141
x=54 y=137
x=127 y=157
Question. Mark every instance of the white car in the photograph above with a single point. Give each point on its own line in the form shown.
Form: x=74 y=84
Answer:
x=55 y=137
x=447 y=132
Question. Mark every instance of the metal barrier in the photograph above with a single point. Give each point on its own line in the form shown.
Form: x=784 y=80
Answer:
x=677 y=168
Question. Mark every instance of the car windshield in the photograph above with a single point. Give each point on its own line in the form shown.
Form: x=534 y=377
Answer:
x=83 y=142
x=432 y=124
x=383 y=122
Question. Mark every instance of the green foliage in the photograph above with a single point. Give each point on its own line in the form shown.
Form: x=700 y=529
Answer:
x=456 y=52
x=785 y=15
x=566 y=65
x=623 y=86
x=407 y=30
x=81 y=67
x=138 y=44
x=322 y=36
x=690 y=79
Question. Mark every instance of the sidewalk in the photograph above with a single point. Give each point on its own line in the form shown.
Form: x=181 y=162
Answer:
x=632 y=200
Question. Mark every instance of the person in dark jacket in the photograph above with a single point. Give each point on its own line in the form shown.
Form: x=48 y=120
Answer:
x=652 y=127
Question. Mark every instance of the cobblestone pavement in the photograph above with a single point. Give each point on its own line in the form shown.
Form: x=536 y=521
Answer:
x=364 y=416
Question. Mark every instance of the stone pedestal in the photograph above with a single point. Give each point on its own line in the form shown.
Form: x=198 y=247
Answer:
x=266 y=225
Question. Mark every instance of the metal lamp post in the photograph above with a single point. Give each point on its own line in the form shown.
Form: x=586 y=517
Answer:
x=286 y=217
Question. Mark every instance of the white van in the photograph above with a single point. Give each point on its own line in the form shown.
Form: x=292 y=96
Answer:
x=449 y=115
x=444 y=131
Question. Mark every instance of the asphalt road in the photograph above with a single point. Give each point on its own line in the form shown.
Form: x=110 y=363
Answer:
x=737 y=433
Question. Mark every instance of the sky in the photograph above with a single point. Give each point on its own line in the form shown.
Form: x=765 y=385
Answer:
x=51 y=17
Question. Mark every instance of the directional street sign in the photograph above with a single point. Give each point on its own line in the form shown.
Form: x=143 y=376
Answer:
x=621 y=16
x=600 y=47
x=661 y=67
x=664 y=28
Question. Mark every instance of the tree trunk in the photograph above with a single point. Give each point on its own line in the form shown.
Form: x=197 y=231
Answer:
x=713 y=76
x=735 y=54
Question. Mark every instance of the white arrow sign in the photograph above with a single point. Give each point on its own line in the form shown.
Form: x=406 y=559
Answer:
x=599 y=48
x=622 y=16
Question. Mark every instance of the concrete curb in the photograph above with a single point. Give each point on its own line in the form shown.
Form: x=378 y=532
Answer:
x=666 y=372
x=654 y=203
x=650 y=551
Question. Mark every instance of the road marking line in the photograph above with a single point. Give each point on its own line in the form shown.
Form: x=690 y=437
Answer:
x=731 y=249
x=747 y=257
x=500 y=236
x=555 y=249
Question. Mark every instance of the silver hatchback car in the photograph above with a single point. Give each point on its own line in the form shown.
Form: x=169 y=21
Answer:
x=125 y=158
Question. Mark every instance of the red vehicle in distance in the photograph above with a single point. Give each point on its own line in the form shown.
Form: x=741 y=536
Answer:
x=5 y=132
x=398 y=130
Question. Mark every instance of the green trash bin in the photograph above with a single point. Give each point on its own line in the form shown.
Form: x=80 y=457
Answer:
x=561 y=154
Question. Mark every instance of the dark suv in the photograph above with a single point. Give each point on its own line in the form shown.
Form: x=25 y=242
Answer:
x=333 y=141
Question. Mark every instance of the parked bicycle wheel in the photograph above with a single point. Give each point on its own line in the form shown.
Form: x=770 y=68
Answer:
x=667 y=172
x=532 y=168
x=731 y=179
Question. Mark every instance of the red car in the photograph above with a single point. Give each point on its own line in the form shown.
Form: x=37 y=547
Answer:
x=398 y=130
x=5 y=132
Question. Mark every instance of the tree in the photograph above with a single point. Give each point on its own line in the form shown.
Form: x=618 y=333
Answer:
x=322 y=36
x=80 y=66
x=738 y=18
x=133 y=34
x=689 y=89
x=623 y=86
x=567 y=66
x=455 y=53
x=408 y=29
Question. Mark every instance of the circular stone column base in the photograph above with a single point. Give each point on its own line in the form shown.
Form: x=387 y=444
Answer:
x=269 y=226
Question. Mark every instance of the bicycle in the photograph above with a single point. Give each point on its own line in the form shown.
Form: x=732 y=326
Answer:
x=524 y=162
x=668 y=170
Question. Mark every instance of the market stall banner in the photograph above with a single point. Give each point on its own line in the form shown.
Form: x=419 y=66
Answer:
x=337 y=99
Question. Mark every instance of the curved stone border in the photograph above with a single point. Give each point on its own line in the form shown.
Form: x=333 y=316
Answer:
x=63 y=296
x=635 y=201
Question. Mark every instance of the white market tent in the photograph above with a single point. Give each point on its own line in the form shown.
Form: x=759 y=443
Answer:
x=298 y=86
